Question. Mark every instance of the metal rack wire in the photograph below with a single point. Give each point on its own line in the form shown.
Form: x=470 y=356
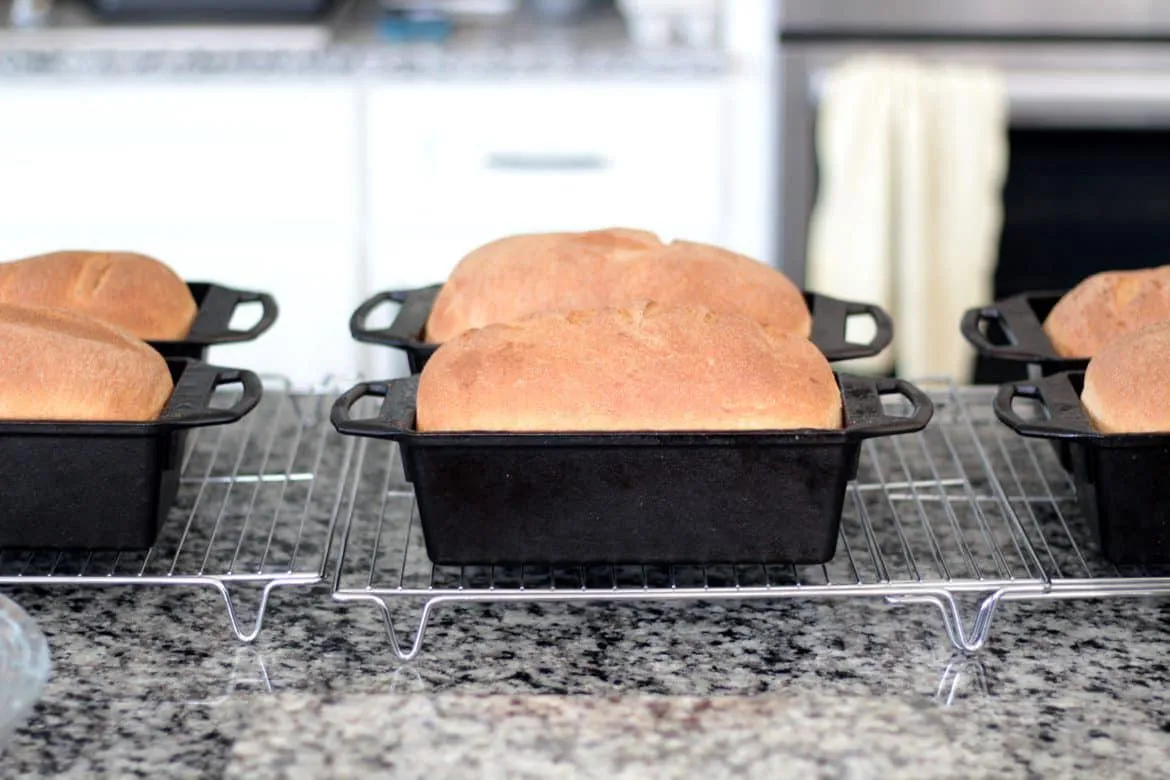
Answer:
x=257 y=504
x=964 y=511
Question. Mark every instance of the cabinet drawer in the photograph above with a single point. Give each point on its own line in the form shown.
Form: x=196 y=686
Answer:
x=589 y=156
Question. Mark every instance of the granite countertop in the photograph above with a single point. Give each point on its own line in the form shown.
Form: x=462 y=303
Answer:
x=150 y=682
x=147 y=684
x=596 y=49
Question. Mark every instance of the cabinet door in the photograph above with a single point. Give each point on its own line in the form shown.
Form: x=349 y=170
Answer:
x=211 y=156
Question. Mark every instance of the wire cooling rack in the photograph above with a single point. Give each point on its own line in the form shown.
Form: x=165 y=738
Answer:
x=256 y=508
x=962 y=516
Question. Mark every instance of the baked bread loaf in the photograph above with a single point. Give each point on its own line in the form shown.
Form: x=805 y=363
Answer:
x=133 y=291
x=1106 y=305
x=520 y=275
x=1127 y=383
x=647 y=367
x=62 y=365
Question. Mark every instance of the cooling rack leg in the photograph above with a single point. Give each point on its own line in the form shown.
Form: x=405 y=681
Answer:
x=244 y=631
x=963 y=640
x=403 y=653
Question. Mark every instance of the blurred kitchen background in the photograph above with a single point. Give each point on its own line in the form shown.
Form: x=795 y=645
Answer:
x=925 y=154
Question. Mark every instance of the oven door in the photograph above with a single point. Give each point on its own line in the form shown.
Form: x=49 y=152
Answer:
x=1088 y=184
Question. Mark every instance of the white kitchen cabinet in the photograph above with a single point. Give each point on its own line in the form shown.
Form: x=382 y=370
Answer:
x=545 y=154
x=175 y=154
x=249 y=186
x=452 y=166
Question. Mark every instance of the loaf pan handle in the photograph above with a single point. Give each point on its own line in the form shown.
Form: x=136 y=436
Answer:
x=190 y=404
x=1061 y=401
x=830 y=318
x=269 y=313
x=395 y=419
x=409 y=324
x=1016 y=317
x=971 y=330
x=213 y=322
x=866 y=417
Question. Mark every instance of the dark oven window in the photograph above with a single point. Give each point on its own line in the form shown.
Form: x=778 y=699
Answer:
x=1077 y=202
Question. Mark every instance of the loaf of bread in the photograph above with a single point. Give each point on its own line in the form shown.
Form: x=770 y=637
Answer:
x=1127 y=383
x=1106 y=305
x=520 y=275
x=647 y=367
x=130 y=290
x=62 y=365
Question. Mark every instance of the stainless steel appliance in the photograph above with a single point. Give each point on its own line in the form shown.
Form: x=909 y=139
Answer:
x=1088 y=86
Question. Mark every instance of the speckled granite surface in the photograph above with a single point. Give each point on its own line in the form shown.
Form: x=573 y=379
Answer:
x=149 y=682
x=798 y=735
x=146 y=684
x=366 y=61
x=599 y=49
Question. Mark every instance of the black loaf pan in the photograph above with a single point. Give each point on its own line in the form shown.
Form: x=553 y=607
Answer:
x=636 y=497
x=1015 y=333
x=1012 y=330
x=216 y=305
x=107 y=485
x=1121 y=479
x=406 y=332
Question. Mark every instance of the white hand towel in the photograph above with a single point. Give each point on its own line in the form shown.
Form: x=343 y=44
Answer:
x=911 y=162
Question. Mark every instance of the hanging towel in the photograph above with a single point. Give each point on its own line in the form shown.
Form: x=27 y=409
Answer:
x=911 y=160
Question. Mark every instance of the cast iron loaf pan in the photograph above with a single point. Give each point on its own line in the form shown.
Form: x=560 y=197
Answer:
x=406 y=332
x=212 y=325
x=107 y=485
x=1015 y=333
x=1121 y=479
x=632 y=497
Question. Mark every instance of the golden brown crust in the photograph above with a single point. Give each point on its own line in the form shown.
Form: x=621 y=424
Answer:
x=646 y=367
x=130 y=290
x=520 y=275
x=1127 y=383
x=684 y=272
x=62 y=365
x=1105 y=306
